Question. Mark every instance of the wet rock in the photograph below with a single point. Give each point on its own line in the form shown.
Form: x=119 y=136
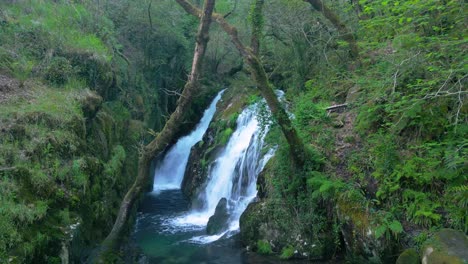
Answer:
x=205 y=152
x=219 y=221
x=409 y=256
x=250 y=224
x=447 y=246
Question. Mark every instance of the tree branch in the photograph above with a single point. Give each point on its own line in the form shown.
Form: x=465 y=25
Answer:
x=159 y=144
x=296 y=145
x=346 y=34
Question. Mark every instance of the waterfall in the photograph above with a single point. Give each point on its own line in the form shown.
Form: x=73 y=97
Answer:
x=233 y=175
x=170 y=171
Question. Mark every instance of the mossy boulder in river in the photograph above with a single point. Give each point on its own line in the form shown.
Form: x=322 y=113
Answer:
x=219 y=221
x=447 y=246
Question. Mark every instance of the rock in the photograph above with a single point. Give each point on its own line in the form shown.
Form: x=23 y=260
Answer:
x=250 y=222
x=219 y=221
x=409 y=256
x=447 y=246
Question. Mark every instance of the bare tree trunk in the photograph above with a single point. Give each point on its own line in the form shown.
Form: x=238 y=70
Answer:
x=347 y=35
x=296 y=145
x=159 y=144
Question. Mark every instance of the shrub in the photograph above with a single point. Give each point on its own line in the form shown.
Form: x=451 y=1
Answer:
x=59 y=71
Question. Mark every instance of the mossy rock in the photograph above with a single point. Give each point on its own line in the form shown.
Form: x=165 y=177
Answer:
x=250 y=222
x=409 y=256
x=219 y=221
x=447 y=246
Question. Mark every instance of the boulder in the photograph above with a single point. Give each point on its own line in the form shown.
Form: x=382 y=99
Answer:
x=409 y=256
x=219 y=221
x=447 y=246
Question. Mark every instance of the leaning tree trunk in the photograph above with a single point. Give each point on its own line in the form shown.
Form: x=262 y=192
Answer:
x=347 y=35
x=296 y=145
x=163 y=139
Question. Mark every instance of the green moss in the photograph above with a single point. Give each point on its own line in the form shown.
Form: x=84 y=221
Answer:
x=225 y=136
x=263 y=247
x=409 y=256
x=287 y=252
x=114 y=165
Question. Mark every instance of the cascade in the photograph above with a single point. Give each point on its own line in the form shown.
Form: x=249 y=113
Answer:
x=233 y=175
x=170 y=171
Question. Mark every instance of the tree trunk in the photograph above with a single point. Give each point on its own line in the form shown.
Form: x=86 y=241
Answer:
x=296 y=146
x=257 y=26
x=347 y=35
x=159 y=144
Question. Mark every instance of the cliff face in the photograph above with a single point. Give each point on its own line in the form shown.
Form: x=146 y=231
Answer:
x=67 y=157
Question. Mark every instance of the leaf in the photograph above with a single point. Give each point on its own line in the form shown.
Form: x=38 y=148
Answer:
x=380 y=231
x=396 y=227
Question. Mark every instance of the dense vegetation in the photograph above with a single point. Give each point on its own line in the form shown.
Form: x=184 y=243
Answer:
x=392 y=165
x=81 y=83
x=78 y=86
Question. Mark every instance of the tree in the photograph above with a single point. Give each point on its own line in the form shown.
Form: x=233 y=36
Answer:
x=296 y=145
x=163 y=139
x=347 y=35
x=257 y=26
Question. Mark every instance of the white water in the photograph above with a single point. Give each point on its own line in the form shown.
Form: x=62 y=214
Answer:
x=233 y=175
x=170 y=171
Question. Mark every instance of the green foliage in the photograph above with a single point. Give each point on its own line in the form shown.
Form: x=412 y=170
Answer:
x=78 y=177
x=387 y=227
x=59 y=71
x=309 y=114
x=118 y=110
x=263 y=247
x=67 y=24
x=324 y=188
x=287 y=252
x=49 y=105
x=115 y=164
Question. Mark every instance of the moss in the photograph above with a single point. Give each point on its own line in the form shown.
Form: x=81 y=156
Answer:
x=446 y=246
x=250 y=224
x=263 y=247
x=409 y=256
x=287 y=252
x=225 y=136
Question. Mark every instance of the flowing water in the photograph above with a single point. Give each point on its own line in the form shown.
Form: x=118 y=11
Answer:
x=233 y=176
x=169 y=231
x=170 y=171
